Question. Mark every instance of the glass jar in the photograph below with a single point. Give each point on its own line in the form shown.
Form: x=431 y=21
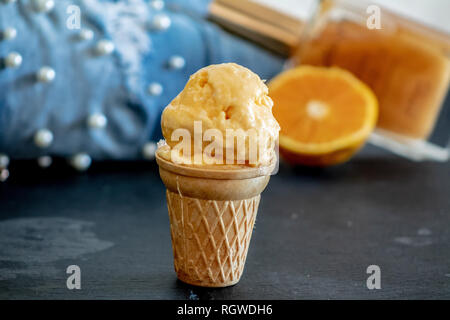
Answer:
x=405 y=63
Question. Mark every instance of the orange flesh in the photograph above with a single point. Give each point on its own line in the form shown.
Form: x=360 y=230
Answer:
x=346 y=112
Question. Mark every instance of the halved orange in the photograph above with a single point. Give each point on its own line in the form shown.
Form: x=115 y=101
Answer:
x=325 y=114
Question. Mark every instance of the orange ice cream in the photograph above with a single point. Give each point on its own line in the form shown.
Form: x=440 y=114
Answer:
x=218 y=98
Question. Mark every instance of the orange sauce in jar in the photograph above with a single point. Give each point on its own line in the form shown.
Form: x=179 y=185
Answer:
x=405 y=64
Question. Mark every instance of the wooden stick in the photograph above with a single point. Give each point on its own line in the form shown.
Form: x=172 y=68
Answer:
x=263 y=25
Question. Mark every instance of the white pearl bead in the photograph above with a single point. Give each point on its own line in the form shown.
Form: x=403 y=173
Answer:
x=97 y=121
x=46 y=74
x=157 y=4
x=44 y=161
x=9 y=34
x=86 y=34
x=149 y=150
x=43 y=138
x=81 y=161
x=13 y=60
x=161 y=22
x=4 y=161
x=104 y=47
x=176 y=62
x=43 y=5
x=155 y=89
x=4 y=175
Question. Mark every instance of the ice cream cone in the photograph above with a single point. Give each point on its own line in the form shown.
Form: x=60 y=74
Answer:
x=212 y=213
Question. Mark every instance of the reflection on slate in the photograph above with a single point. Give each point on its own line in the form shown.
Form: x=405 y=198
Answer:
x=30 y=245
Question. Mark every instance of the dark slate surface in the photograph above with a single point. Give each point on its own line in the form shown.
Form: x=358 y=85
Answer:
x=317 y=231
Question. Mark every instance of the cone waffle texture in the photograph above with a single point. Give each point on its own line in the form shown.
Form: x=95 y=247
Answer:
x=212 y=213
x=210 y=238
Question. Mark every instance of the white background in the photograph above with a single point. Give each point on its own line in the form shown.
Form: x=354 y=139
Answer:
x=433 y=12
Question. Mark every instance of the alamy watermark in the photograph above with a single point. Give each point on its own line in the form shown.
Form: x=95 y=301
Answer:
x=374 y=280
x=374 y=19
x=74 y=19
x=73 y=22
x=213 y=147
x=74 y=280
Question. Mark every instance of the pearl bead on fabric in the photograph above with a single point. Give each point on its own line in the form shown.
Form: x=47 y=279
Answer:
x=43 y=138
x=13 y=60
x=176 y=62
x=149 y=150
x=4 y=172
x=155 y=89
x=4 y=161
x=4 y=175
x=86 y=34
x=157 y=4
x=8 y=34
x=81 y=161
x=161 y=22
x=43 y=5
x=97 y=121
x=46 y=74
x=44 y=161
x=104 y=47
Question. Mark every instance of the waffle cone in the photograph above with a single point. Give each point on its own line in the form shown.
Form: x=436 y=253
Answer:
x=212 y=214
